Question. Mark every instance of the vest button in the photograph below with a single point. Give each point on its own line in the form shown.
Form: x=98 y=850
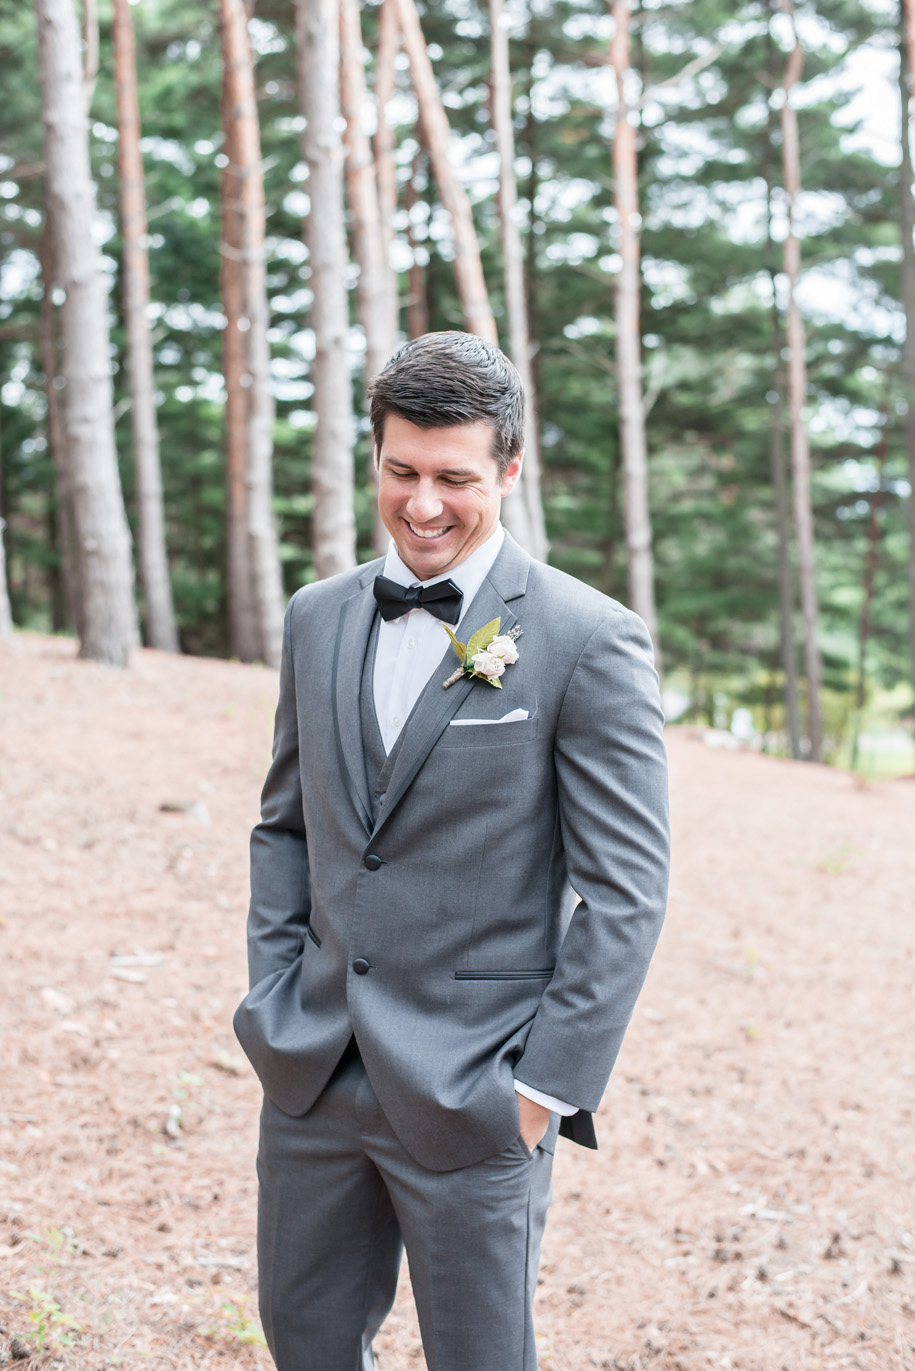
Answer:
x=360 y=966
x=373 y=861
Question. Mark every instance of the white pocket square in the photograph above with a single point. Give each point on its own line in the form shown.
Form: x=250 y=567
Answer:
x=514 y=717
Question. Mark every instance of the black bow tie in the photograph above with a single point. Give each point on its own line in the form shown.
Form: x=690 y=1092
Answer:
x=443 y=600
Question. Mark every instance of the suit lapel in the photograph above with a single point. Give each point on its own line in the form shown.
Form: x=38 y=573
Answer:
x=436 y=706
x=353 y=628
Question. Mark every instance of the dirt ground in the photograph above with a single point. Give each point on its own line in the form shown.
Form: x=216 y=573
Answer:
x=751 y=1206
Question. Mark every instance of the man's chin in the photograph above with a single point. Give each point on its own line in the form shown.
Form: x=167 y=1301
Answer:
x=428 y=557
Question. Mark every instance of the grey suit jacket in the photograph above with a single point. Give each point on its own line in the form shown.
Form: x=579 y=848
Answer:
x=459 y=896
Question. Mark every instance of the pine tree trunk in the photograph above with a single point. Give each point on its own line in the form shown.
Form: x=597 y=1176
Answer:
x=153 y=561
x=797 y=399
x=55 y=433
x=376 y=287
x=332 y=523
x=531 y=281
x=870 y=580
x=383 y=140
x=383 y=145
x=907 y=226
x=468 y=267
x=243 y=139
x=254 y=580
x=417 y=300
x=513 y=255
x=782 y=519
x=244 y=634
x=785 y=568
x=634 y=450
x=101 y=533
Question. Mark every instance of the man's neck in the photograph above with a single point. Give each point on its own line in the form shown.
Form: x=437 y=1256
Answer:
x=474 y=567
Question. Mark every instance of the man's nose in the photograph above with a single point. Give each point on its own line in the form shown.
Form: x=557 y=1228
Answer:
x=424 y=504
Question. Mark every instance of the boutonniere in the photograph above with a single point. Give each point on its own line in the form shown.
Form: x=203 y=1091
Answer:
x=486 y=655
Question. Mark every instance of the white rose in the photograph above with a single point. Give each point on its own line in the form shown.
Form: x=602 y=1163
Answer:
x=488 y=665
x=504 y=647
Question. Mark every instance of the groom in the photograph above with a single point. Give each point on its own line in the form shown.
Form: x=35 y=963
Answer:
x=429 y=1004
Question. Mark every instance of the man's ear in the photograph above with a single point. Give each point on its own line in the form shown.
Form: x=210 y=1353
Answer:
x=375 y=458
x=512 y=472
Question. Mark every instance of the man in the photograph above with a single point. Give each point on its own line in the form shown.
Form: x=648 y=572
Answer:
x=427 y=1000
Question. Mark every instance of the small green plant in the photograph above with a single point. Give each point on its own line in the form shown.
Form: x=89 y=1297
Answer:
x=51 y=1327
x=174 y=1122
x=834 y=863
x=57 y=1241
x=235 y=1324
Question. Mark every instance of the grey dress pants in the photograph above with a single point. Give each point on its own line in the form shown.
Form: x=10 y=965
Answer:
x=340 y=1198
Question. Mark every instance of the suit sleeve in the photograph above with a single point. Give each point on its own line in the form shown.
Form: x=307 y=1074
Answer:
x=280 y=885
x=611 y=770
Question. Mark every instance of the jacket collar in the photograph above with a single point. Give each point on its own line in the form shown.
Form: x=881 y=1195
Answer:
x=506 y=581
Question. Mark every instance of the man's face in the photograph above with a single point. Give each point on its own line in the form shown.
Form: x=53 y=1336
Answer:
x=439 y=491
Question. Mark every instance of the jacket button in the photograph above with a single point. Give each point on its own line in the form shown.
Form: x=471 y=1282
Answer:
x=360 y=966
x=373 y=861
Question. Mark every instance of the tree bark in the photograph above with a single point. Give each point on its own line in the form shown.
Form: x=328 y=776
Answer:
x=417 y=300
x=782 y=519
x=383 y=139
x=383 y=145
x=531 y=280
x=376 y=287
x=633 y=446
x=376 y=290
x=154 y=578
x=252 y=412
x=102 y=536
x=870 y=579
x=468 y=267
x=513 y=255
x=55 y=431
x=797 y=399
x=244 y=635
x=333 y=524
x=907 y=227
x=785 y=569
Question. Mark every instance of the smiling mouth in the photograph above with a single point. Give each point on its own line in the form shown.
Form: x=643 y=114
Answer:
x=428 y=534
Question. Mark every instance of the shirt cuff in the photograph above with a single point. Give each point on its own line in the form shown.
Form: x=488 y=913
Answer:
x=548 y=1101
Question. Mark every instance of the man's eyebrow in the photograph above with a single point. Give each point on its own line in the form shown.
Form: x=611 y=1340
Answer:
x=445 y=471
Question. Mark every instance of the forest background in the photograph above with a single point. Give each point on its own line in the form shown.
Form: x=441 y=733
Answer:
x=716 y=362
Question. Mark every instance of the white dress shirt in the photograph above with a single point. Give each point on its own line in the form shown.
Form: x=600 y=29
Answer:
x=409 y=650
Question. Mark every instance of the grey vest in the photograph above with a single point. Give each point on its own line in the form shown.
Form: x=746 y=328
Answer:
x=378 y=764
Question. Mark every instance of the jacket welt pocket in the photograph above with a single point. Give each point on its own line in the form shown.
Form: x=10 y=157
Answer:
x=504 y=975
x=312 y=935
x=490 y=734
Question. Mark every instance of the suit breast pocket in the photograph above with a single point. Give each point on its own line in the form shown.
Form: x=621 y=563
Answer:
x=469 y=736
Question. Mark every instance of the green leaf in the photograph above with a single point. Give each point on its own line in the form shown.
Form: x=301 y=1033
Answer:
x=458 y=646
x=483 y=637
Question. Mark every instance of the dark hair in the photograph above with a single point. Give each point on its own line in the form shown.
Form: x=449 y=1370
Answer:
x=450 y=378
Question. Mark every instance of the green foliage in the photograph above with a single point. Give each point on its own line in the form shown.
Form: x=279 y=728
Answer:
x=235 y=1325
x=482 y=638
x=713 y=212
x=51 y=1329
